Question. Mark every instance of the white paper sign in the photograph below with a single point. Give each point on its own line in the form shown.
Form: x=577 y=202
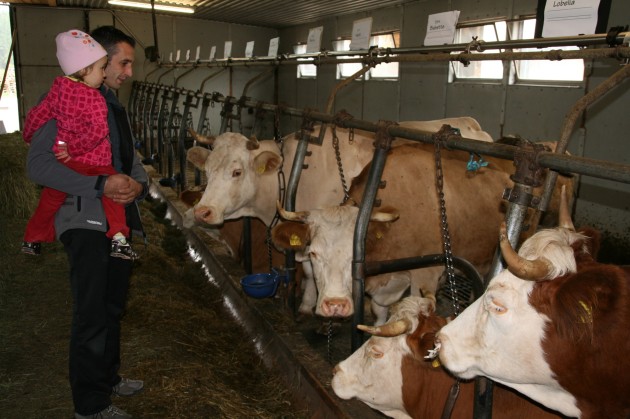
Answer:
x=249 y=49
x=361 y=31
x=170 y=57
x=177 y=55
x=198 y=52
x=570 y=17
x=227 y=49
x=314 y=42
x=441 y=28
x=273 y=47
x=187 y=55
x=213 y=52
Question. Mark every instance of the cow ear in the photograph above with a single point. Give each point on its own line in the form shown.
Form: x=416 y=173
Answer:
x=267 y=162
x=422 y=340
x=587 y=249
x=290 y=235
x=197 y=156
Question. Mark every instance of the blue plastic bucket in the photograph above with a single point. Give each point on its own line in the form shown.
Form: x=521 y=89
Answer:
x=262 y=285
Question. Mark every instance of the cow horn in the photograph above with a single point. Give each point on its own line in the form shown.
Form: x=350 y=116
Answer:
x=391 y=329
x=252 y=143
x=201 y=138
x=300 y=216
x=564 y=215
x=532 y=270
x=384 y=217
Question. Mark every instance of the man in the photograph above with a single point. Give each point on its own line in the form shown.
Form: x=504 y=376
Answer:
x=99 y=283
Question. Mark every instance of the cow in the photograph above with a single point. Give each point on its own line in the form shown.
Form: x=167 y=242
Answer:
x=473 y=205
x=554 y=325
x=242 y=174
x=231 y=235
x=390 y=372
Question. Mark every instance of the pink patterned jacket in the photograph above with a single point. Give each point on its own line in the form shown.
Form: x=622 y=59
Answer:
x=81 y=114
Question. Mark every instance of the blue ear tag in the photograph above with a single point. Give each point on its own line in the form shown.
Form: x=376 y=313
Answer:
x=473 y=166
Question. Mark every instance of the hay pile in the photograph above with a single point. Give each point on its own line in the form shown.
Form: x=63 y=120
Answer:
x=177 y=336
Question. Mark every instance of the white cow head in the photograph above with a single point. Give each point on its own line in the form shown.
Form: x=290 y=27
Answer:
x=239 y=171
x=325 y=237
x=499 y=336
x=373 y=373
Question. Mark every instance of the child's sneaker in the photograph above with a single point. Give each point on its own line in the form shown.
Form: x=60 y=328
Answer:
x=122 y=249
x=32 y=248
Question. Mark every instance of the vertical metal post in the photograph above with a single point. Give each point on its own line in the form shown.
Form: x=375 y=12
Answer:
x=205 y=103
x=167 y=140
x=527 y=176
x=291 y=190
x=382 y=146
x=181 y=146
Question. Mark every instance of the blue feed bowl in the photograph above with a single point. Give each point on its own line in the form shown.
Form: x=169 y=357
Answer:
x=261 y=285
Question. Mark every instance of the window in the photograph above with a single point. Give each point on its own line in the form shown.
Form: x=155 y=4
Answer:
x=304 y=71
x=488 y=70
x=381 y=71
x=385 y=70
x=544 y=70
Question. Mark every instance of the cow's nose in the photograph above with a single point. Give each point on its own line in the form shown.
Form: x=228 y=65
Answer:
x=336 y=307
x=203 y=213
x=336 y=369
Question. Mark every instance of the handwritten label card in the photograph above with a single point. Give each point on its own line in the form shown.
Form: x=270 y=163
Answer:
x=361 y=31
x=570 y=17
x=441 y=28
x=249 y=49
x=213 y=52
x=273 y=47
x=227 y=49
x=314 y=42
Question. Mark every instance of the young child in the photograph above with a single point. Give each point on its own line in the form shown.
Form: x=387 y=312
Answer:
x=82 y=141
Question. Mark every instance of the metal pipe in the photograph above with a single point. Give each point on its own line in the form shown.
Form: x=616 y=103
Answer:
x=438 y=54
x=591 y=167
x=358 y=249
x=610 y=169
x=203 y=82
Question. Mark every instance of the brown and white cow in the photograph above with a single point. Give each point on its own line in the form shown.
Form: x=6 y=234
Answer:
x=555 y=326
x=473 y=206
x=242 y=175
x=390 y=373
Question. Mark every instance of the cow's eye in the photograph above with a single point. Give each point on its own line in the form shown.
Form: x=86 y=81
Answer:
x=312 y=255
x=376 y=352
x=496 y=307
x=237 y=173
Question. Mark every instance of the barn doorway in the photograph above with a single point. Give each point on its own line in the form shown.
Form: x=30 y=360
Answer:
x=9 y=114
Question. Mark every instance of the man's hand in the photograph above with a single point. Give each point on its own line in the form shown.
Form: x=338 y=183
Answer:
x=122 y=189
x=62 y=152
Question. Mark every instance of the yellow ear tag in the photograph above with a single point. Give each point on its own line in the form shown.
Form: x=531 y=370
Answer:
x=260 y=169
x=435 y=363
x=295 y=240
x=589 y=313
x=379 y=235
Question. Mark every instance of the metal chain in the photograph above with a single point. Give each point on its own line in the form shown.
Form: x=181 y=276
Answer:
x=281 y=189
x=329 y=340
x=335 y=143
x=446 y=238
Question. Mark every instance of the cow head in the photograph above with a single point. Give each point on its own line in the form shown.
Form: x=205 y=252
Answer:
x=374 y=372
x=500 y=335
x=238 y=171
x=324 y=236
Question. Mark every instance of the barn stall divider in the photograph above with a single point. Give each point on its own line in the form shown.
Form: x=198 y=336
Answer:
x=150 y=112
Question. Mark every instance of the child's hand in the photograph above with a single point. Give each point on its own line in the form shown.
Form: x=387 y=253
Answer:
x=62 y=152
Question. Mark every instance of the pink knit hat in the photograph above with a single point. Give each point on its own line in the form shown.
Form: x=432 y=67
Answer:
x=77 y=50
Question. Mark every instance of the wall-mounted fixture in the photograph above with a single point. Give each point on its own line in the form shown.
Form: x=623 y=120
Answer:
x=163 y=7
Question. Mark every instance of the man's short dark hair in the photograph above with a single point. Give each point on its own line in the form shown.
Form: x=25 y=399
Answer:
x=109 y=37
